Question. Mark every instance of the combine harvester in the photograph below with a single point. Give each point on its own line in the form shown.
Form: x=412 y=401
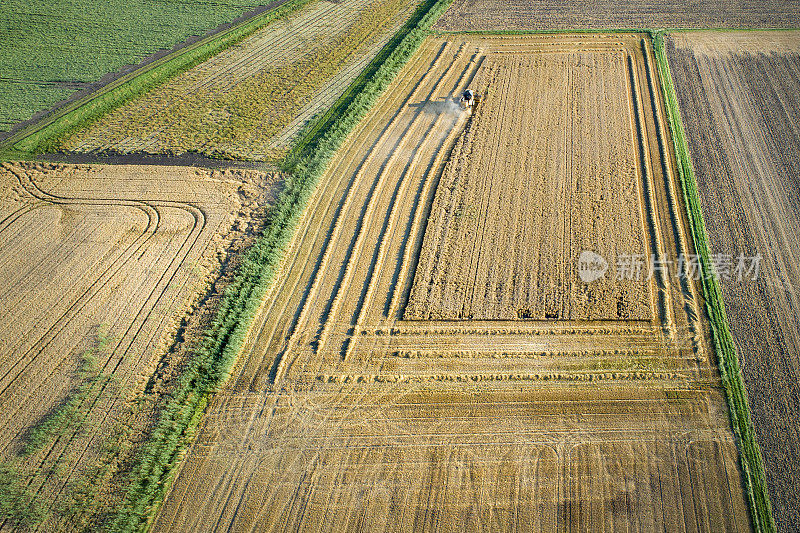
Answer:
x=469 y=100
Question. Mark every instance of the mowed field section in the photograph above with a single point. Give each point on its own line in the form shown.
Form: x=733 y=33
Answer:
x=250 y=101
x=525 y=194
x=740 y=102
x=343 y=414
x=523 y=15
x=100 y=264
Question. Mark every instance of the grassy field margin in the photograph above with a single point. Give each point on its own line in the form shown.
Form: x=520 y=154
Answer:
x=751 y=461
x=45 y=135
x=212 y=362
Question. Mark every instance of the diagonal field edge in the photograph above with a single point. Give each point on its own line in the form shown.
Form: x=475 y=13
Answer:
x=752 y=463
x=211 y=364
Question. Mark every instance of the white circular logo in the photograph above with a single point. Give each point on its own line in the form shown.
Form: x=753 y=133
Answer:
x=591 y=266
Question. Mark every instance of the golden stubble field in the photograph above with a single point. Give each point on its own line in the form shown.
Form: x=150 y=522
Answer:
x=365 y=400
x=739 y=94
x=101 y=266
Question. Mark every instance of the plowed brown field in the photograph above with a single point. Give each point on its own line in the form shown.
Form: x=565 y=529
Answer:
x=100 y=264
x=342 y=414
x=740 y=102
x=493 y=15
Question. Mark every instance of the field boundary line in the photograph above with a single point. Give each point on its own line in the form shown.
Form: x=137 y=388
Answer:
x=751 y=461
x=445 y=33
x=46 y=133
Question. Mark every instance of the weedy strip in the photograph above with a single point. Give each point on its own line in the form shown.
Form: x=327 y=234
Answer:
x=25 y=507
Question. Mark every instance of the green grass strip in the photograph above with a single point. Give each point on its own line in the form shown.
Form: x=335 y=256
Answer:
x=26 y=508
x=72 y=411
x=46 y=135
x=19 y=505
x=751 y=461
x=212 y=362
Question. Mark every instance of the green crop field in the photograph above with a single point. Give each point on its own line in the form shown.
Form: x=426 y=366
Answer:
x=51 y=49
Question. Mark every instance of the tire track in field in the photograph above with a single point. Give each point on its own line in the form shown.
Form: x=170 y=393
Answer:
x=663 y=302
x=395 y=151
x=486 y=196
x=132 y=331
x=103 y=279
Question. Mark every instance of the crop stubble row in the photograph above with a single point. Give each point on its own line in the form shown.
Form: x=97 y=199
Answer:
x=342 y=415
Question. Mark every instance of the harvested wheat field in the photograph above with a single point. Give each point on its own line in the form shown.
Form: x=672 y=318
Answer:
x=518 y=204
x=740 y=103
x=251 y=101
x=100 y=267
x=366 y=398
x=525 y=15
